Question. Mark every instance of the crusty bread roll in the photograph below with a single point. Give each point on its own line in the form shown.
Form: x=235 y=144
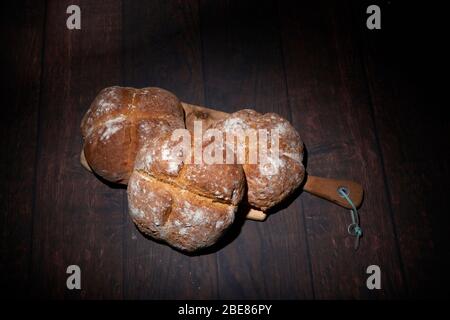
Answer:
x=267 y=188
x=127 y=137
x=119 y=121
x=189 y=206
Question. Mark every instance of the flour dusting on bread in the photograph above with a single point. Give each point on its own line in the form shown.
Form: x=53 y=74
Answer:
x=188 y=205
x=111 y=126
x=119 y=122
x=276 y=176
x=197 y=208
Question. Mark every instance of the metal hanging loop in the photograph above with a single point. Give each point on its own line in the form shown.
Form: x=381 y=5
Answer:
x=354 y=228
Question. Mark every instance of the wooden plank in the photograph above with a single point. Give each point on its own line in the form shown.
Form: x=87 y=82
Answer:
x=78 y=219
x=243 y=67
x=330 y=103
x=403 y=68
x=162 y=48
x=22 y=31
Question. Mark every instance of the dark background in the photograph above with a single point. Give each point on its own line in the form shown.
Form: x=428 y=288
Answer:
x=369 y=104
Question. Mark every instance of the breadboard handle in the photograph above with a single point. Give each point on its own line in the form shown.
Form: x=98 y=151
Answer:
x=328 y=189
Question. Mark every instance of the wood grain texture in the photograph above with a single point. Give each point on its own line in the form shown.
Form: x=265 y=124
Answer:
x=22 y=28
x=407 y=94
x=368 y=105
x=78 y=219
x=330 y=103
x=243 y=68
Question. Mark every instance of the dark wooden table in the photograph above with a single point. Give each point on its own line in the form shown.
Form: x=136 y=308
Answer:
x=366 y=103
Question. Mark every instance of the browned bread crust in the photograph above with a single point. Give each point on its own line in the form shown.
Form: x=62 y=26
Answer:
x=119 y=121
x=189 y=206
x=127 y=131
x=267 y=190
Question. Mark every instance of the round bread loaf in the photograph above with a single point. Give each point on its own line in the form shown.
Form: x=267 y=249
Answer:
x=119 y=121
x=269 y=182
x=189 y=206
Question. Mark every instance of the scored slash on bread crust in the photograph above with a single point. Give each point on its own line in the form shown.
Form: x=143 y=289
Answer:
x=222 y=182
x=189 y=206
x=181 y=218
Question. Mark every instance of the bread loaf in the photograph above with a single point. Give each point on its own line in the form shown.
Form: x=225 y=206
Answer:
x=267 y=188
x=120 y=121
x=189 y=206
x=127 y=137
